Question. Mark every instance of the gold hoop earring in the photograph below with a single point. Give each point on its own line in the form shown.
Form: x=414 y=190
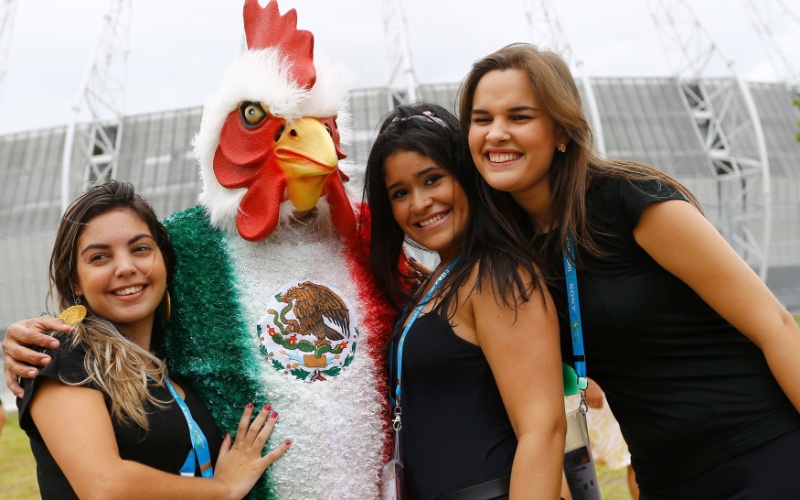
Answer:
x=166 y=306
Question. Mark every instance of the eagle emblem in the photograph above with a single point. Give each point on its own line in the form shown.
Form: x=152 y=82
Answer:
x=306 y=331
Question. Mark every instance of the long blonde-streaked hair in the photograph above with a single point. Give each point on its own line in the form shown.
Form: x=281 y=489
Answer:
x=116 y=365
x=572 y=172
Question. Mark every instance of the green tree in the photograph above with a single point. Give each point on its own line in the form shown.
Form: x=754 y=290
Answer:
x=797 y=103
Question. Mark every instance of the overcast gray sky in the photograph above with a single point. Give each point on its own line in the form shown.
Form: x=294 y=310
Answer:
x=179 y=49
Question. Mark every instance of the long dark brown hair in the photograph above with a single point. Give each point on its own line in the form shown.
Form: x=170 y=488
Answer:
x=494 y=245
x=116 y=365
x=572 y=172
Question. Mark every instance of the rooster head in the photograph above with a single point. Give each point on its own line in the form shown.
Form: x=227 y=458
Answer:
x=269 y=136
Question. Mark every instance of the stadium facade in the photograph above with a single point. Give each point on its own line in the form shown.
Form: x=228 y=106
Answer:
x=644 y=119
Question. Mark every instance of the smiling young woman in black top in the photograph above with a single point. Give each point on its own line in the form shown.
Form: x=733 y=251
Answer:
x=104 y=417
x=481 y=398
x=697 y=358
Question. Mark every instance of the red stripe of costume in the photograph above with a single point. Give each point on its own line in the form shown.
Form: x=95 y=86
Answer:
x=378 y=317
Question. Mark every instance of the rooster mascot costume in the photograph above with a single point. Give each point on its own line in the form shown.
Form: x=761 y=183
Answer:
x=273 y=300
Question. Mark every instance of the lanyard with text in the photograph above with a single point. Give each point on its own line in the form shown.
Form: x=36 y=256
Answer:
x=575 y=325
x=198 y=439
x=396 y=422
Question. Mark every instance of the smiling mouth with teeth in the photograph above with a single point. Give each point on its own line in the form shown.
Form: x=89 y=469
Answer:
x=431 y=220
x=500 y=158
x=128 y=291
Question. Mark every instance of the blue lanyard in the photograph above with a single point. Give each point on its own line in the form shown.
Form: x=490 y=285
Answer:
x=414 y=315
x=575 y=325
x=197 y=438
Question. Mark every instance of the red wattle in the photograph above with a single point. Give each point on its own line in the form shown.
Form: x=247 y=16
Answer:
x=334 y=128
x=231 y=175
x=341 y=211
x=260 y=208
x=244 y=159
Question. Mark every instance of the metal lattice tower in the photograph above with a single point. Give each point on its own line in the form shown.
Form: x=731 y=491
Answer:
x=726 y=121
x=402 y=76
x=770 y=18
x=96 y=125
x=8 y=10
x=545 y=30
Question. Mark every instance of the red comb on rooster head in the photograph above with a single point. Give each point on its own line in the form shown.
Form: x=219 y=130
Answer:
x=275 y=142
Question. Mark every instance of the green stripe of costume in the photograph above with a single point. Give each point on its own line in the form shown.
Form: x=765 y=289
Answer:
x=202 y=321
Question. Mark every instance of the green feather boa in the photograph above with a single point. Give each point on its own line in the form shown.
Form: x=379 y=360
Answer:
x=202 y=344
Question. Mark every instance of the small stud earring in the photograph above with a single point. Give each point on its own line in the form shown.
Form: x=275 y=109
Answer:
x=562 y=147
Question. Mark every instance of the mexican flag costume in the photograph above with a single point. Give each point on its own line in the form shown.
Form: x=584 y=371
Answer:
x=273 y=300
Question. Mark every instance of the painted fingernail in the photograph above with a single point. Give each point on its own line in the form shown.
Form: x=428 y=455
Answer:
x=249 y=405
x=417 y=283
x=412 y=258
x=267 y=407
x=288 y=442
x=274 y=414
x=418 y=273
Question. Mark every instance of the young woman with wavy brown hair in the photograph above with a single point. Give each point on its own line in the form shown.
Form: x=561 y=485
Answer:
x=105 y=418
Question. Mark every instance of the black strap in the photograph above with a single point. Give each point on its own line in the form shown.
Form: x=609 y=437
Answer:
x=496 y=489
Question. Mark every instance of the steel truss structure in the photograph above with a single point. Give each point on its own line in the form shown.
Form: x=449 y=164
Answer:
x=8 y=9
x=545 y=31
x=100 y=105
x=771 y=19
x=697 y=127
x=402 y=75
x=728 y=125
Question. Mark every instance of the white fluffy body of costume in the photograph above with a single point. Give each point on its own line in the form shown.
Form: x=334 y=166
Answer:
x=232 y=300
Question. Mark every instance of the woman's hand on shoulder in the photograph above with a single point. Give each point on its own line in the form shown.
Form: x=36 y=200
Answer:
x=18 y=356
x=241 y=463
x=412 y=272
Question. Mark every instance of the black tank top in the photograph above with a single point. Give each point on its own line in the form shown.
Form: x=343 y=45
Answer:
x=456 y=432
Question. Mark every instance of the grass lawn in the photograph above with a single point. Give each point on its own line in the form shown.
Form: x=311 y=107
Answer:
x=17 y=467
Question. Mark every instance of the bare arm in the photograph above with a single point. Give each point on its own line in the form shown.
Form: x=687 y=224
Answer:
x=524 y=354
x=18 y=357
x=684 y=243
x=77 y=429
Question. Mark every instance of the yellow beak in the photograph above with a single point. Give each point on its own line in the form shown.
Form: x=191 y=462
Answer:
x=307 y=155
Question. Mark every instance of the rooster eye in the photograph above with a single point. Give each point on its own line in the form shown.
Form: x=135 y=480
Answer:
x=252 y=113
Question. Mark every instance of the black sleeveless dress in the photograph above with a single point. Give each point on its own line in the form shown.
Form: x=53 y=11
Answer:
x=456 y=432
